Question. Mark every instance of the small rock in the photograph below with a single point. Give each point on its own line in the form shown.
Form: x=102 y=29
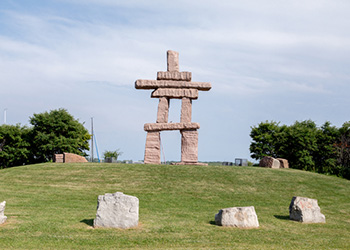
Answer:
x=3 y=218
x=305 y=210
x=117 y=210
x=242 y=217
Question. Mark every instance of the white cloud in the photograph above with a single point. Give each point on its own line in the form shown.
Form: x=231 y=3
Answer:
x=250 y=51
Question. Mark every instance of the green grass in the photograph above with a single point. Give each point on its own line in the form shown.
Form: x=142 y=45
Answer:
x=52 y=206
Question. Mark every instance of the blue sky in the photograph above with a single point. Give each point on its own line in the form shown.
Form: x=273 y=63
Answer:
x=266 y=60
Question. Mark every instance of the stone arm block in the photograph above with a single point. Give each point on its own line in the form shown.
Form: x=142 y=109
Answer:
x=154 y=84
x=171 y=126
x=175 y=93
x=174 y=75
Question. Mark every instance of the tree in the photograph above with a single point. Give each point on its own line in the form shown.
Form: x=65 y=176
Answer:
x=112 y=154
x=56 y=132
x=267 y=137
x=325 y=156
x=342 y=147
x=14 y=145
x=300 y=145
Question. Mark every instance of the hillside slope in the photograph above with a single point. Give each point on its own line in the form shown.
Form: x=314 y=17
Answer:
x=52 y=206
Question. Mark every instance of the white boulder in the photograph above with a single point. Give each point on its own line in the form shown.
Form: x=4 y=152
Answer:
x=3 y=218
x=305 y=210
x=117 y=210
x=242 y=217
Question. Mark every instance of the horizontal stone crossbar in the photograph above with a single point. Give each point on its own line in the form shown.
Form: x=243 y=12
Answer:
x=175 y=93
x=171 y=126
x=174 y=75
x=154 y=84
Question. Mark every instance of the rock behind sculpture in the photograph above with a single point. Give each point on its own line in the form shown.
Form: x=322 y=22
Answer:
x=3 y=218
x=305 y=210
x=269 y=162
x=117 y=210
x=241 y=217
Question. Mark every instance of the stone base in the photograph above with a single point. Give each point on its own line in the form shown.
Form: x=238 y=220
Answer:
x=190 y=163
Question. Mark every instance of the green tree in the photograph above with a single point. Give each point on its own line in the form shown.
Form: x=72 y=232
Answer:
x=266 y=139
x=342 y=147
x=325 y=156
x=112 y=154
x=56 y=132
x=14 y=145
x=300 y=145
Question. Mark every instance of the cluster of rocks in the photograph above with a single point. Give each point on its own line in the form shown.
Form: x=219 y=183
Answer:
x=122 y=211
x=270 y=162
x=173 y=84
x=301 y=209
x=68 y=158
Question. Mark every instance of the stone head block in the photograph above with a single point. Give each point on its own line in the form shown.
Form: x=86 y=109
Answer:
x=173 y=60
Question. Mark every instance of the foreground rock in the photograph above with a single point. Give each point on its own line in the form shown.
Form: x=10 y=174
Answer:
x=305 y=210
x=241 y=217
x=117 y=210
x=3 y=218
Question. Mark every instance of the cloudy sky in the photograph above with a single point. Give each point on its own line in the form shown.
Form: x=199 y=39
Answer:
x=266 y=60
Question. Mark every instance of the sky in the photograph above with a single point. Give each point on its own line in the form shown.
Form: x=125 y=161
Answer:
x=266 y=60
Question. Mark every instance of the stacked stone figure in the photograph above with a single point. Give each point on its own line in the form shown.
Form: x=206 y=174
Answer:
x=173 y=84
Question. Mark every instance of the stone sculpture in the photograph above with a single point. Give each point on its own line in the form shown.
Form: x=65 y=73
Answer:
x=305 y=210
x=117 y=210
x=241 y=217
x=173 y=84
x=3 y=218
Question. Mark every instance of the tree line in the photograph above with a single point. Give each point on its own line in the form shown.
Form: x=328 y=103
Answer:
x=50 y=133
x=324 y=149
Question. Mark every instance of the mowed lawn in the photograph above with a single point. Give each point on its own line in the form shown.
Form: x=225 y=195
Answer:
x=52 y=206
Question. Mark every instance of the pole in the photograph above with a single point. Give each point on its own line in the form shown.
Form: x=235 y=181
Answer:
x=92 y=139
x=5 y=113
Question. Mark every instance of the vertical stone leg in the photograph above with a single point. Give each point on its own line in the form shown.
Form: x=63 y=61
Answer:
x=152 y=150
x=163 y=110
x=189 y=146
x=186 y=110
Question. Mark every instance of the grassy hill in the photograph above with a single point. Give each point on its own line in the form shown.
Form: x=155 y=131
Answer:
x=52 y=206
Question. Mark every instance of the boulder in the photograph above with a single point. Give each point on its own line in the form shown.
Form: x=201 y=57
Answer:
x=3 y=218
x=70 y=157
x=241 y=217
x=283 y=163
x=117 y=210
x=269 y=162
x=305 y=210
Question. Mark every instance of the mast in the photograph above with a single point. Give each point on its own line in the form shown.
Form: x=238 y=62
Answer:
x=92 y=139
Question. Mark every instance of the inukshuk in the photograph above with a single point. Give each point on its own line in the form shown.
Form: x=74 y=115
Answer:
x=173 y=84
